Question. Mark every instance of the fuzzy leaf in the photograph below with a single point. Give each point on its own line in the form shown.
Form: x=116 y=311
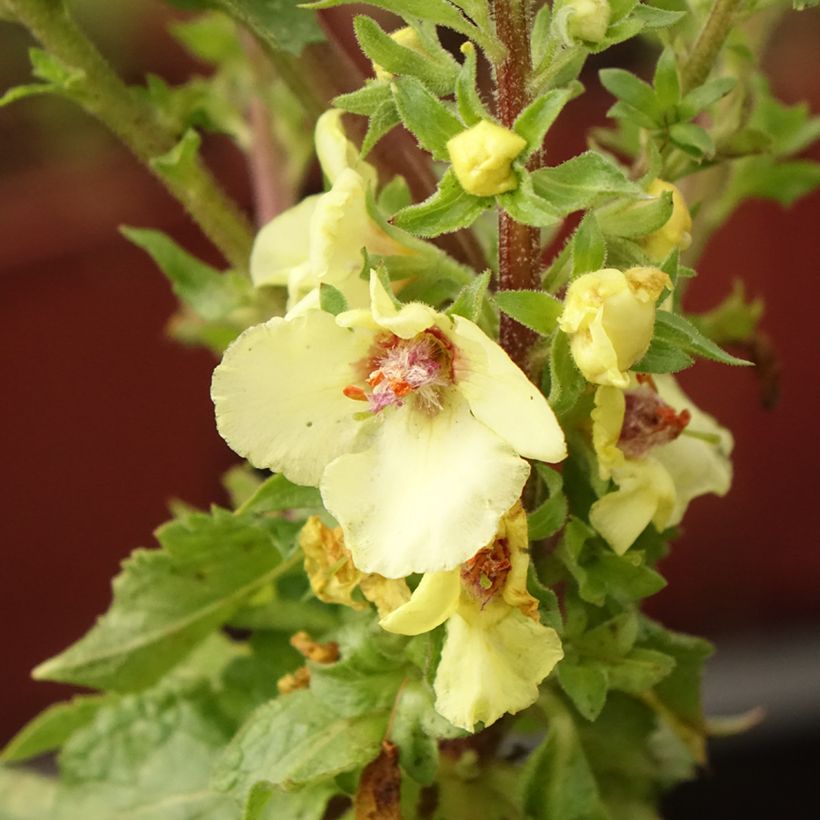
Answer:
x=692 y=139
x=588 y=247
x=425 y=116
x=586 y=686
x=537 y=118
x=470 y=300
x=635 y=218
x=277 y=493
x=383 y=119
x=282 y=24
x=700 y=98
x=331 y=299
x=665 y=81
x=365 y=100
x=549 y=516
x=468 y=99
x=675 y=330
x=534 y=309
x=268 y=802
x=633 y=91
x=566 y=381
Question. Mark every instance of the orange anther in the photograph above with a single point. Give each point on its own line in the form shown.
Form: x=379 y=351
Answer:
x=355 y=393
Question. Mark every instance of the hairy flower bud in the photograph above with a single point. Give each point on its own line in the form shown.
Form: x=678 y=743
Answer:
x=406 y=37
x=610 y=316
x=482 y=158
x=675 y=232
x=589 y=19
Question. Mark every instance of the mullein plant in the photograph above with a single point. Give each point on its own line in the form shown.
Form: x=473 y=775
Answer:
x=466 y=448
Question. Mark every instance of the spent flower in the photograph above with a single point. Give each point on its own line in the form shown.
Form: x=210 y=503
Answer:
x=482 y=158
x=413 y=424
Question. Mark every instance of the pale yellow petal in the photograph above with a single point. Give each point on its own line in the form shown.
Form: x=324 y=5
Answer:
x=427 y=493
x=336 y=152
x=406 y=321
x=278 y=394
x=502 y=397
x=607 y=421
x=433 y=601
x=485 y=673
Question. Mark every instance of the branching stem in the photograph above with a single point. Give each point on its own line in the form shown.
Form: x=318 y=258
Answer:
x=709 y=43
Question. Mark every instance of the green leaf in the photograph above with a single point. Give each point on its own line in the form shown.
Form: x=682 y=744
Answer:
x=549 y=516
x=581 y=182
x=331 y=299
x=588 y=247
x=677 y=331
x=178 y=163
x=665 y=81
x=211 y=294
x=576 y=534
x=556 y=780
x=700 y=98
x=586 y=686
x=281 y=24
x=394 y=196
x=633 y=91
x=20 y=92
x=168 y=600
x=624 y=111
x=448 y=209
x=438 y=75
x=470 y=300
x=383 y=120
x=692 y=139
x=534 y=309
x=295 y=740
x=268 y=802
x=425 y=116
x=277 y=493
x=640 y=670
x=468 y=99
x=633 y=218
x=627 y=577
x=663 y=357
x=566 y=382
x=525 y=206
x=50 y=69
x=51 y=728
x=784 y=182
x=537 y=118
x=365 y=100
x=653 y=17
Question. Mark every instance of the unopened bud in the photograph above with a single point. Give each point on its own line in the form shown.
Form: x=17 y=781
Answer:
x=589 y=20
x=676 y=231
x=406 y=37
x=482 y=158
x=610 y=316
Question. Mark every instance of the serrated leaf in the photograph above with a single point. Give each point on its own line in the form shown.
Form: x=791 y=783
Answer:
x=581 y=182
x=632 y=90
x=277 y=493
x=534 y=309
x=297 y=740
x=365 y=100
x=211 y=294
x=588 y=247
x=468 y=99
x=566 y=381
x=383 y=50
x=425 y=116
x=51 y=728
x=470 y=300
x=331 y=299
x=635 y=218
x=537 y=118
x=168 y=600
x=675 y=330
x=283 y=24
x=448 y=209
x=586 y=686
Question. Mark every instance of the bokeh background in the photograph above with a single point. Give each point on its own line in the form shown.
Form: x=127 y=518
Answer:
x=105 y=420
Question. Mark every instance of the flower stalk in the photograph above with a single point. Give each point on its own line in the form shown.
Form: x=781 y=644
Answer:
x=709 y=43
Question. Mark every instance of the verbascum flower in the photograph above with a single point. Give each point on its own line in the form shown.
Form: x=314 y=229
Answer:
x=610 y=316
x=482 y=158
x=321 y=238
x=413 y=424
x=661 y=451
x=589 y=19
x=333 y=576
x=497 y=651
x=676 y=232
x=407 y=37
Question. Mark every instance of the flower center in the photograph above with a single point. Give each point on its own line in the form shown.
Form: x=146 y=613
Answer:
x=649 y=421
x=399 y=368
x=485 y=574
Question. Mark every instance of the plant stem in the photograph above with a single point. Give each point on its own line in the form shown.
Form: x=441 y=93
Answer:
x=709 y=43
x=105 y=96
x=518 y=245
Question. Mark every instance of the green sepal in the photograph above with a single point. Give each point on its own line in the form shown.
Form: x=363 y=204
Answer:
x=470 y=106
x=533 y=123
x=438 y=75
x=425 y=116
x=588 y=246
x=470 y=300
x=448 y=209
x=534 y=309
x=582 y=182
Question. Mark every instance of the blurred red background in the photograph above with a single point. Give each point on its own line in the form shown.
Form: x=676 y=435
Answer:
x=106 y=420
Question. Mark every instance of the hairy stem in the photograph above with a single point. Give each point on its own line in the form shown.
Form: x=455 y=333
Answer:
x=709 y=43
x=105 y=96
x=518 y=245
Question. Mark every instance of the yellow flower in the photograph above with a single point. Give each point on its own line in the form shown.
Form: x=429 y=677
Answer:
x=611 y=316
x=676 y=232
x=320 y=239
x=661 y=451
x=496 y=652
x=406 y=37
x=482 y=158
x=412 y=423
x=589 y=19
